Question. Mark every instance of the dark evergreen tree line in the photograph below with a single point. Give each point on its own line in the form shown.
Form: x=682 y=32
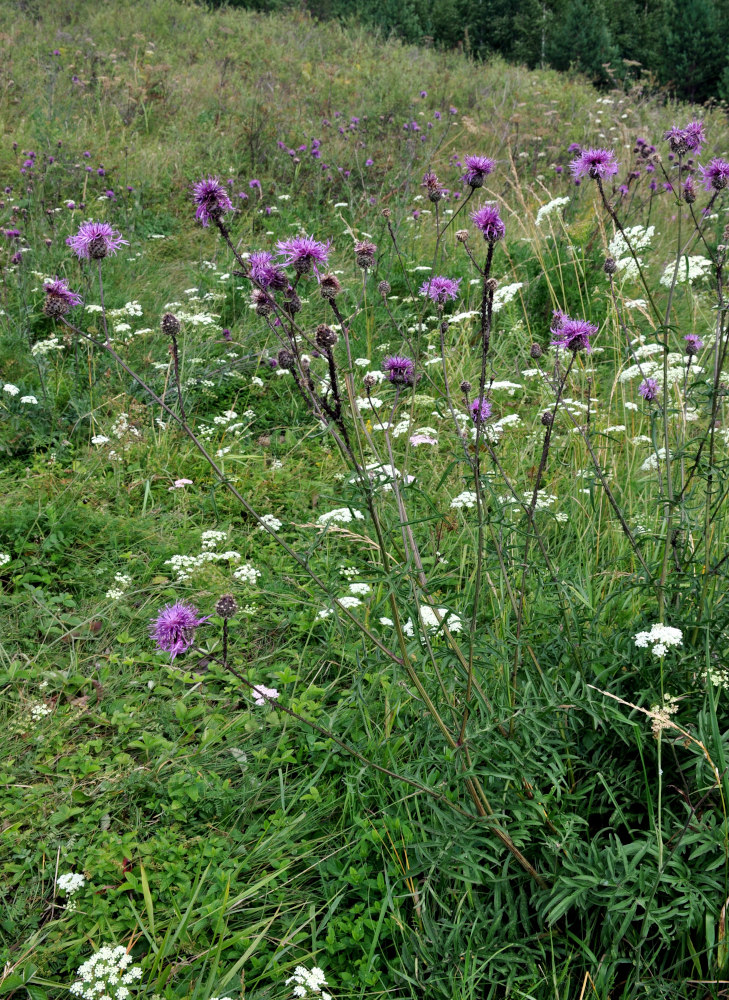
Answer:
x=681 y=46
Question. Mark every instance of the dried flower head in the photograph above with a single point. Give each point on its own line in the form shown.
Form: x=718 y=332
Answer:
x=465 y=387
x=547 y=418
x=364 y=254
x=95 y=240
x=292 y=302
x=384 y=289
x=226 y=606
x=610 y=266
x=170 y=325
x=329 y=286
x=59 y=298
x=286 y=359
x=325 y=337
x=262 y=302
x=174 y=627
x=489 y=222
x=535 y=351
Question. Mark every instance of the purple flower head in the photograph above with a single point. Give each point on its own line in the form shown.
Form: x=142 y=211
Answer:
x=574 y=147
x=477 y=167
x=95 y=240
x=211 y=199
x=440 y=289
x=423 y=93
x=399 y=369
x=369 y=163
x=594 y=163
x=693 y=344
x=648 y=389
x=264 y=272
x=682 y=140
x=303 y=253
x=12 y=235
x=571 y=334
x=716 y=175
x=488 y=220
x=59 y=298
x=480 y=410
x=227 y=335
x=174 y=628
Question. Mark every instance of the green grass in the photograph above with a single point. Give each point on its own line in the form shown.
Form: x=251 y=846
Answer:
x=222 y=842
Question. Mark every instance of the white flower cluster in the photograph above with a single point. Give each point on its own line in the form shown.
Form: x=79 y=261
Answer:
x=308 y=984
x=185 y=566
x=344 y=602
x=690 y=269
x=210 y=538
x=71 y=882
x=263 y=694
x=107 y=975
x=4 y=558
x=12 y=390
x=43 y=347
x=660 y=637
x=39 y=711
x=272 y=522
x=340 y=515
x=433 y=619
x=122 y=581
x=660 y=715
x=552 y=206
x=653 y=461
x=640 y=238
x=246 y=574
x=505 y=294
x=466 y=499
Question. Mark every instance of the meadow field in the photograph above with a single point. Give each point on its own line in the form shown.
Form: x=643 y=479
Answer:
x=363 y=545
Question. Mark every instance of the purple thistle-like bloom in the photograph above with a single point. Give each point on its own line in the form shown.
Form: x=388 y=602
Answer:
x=488 y=220
x=211 y=199
x=477 y=167
x=648 y=389
x=688 y=139
x=174 y=627
x=480 y=410
x=572 y=334
x=715 y=175
x=303 y=253
x=594 y=163
x=264 y=272
x=95 y=240
x=399 y=369
x=440 y=289
x=694 y=343
x=59 y=298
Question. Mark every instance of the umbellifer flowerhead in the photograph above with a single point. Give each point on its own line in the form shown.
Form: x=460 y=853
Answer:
x=170 y=325
x=364 y=254
x=477 y=168
x=59 y=298
x=399 y=369
x=440 y=289
x=480 y=410
x=488 y=220
x=572 y=334
x=174 y=628
x=648 y=389
x=594 y=163
x=303 y=253
x=95 y=240
x=226 y=606
x=211 y=199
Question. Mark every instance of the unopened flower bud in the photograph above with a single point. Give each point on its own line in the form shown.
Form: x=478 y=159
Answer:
x=262 y=303
x=547 y=418
x=364 y=254
x=386 y=213
x=535 y=352
x=286 y=359
x=610 y=266
x=491 y=284
x=292 y=302
x=384 y=288
x=462 y=235
x=170 y=325
x=226 y=606
x=465 y=387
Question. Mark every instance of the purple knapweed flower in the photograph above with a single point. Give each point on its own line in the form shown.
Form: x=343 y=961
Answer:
x=694 y=343
x=400 y=370
x=477 y=167
x=574 y=147
x=59 y=298
x=488 y=220
x=571 y=334
x=174 y=628
x=480 y=410
x=648 y=389
x=264 y=272
x=688 y=139
x=211 y=199
x=303 y=253
x=95 y=240
x=369 y=163
x=594 y=163
x=440 y=289
x=716 y=175
x=423 y=93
